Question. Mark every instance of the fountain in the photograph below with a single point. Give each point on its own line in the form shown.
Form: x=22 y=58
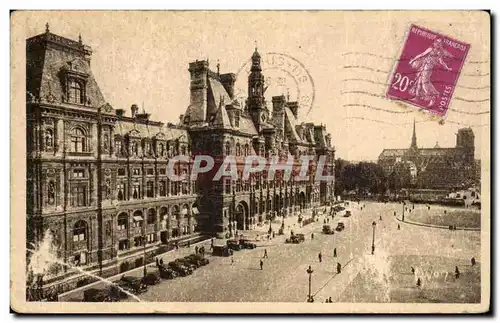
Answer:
x=44 y=263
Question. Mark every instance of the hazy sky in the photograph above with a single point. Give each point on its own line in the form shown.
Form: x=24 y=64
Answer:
x=143 y=57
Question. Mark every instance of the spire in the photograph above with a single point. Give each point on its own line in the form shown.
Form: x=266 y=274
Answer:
x=256 y=60
x=47 y=28
x=218 y=67
x=80 y=38
x=414 y=137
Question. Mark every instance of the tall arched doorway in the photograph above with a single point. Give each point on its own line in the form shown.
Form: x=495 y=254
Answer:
x=241 y=215
x=302 y=200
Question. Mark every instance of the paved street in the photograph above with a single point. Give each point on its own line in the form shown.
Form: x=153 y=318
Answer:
x=382 y=277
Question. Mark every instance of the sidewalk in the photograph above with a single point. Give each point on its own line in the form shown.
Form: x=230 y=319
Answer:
x=77 y=294
x=435 y=225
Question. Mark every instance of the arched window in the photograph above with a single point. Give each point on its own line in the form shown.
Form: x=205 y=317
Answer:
x=78 y=140
x=75 y=94
x=247 y=150
x=238 y=149
x=80 y=231
x=51 y=193
x=151 y=216
x=123 y=221
x=49 y=138
x=228 y=148
x=161 y=150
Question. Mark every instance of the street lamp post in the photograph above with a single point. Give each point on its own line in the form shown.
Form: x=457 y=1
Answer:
x=403 y=218
x=144 y=254
x=374 y=224
x=309 y=271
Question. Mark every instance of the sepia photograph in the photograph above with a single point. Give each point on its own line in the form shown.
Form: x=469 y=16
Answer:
x=250 y=161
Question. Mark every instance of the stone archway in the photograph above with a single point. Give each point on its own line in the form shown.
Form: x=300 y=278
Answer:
x=242 y=216
x=301 y=199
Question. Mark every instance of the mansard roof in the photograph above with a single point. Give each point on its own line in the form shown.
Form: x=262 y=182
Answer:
x=49 y=59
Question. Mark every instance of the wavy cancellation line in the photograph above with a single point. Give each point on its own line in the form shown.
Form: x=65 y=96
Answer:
x=383 y=97
x=420 y=121
x=402 y=58
x=386 y=84
x=411 y=73
x=400 y=112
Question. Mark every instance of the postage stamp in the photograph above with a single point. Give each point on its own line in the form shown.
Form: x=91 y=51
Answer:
x=427 y=71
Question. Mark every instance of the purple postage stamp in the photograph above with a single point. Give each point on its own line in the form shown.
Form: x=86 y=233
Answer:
x=427 y=70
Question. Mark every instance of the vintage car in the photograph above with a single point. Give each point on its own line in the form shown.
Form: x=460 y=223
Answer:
x=132 y=284
x=187 y=263
x=167 y=273
x=247 y=244
x=151 y=279
x=327 y=229
x=340 y=226
x=180 y=268
x=96 y=295
x=197 y=259
x=296 y=238
x=222 y=251
x=233 y=245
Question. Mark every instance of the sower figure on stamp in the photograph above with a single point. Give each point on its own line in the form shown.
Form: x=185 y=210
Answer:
x=424 y=63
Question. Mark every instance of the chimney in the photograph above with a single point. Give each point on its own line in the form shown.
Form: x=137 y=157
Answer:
x=294 y=107
x=228 y=81
x=120 y=113
x=134 y=108
x=278 y=103
x=143 y=116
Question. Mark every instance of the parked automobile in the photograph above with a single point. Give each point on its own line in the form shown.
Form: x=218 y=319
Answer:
x=96 y=295
x=199 y=259
x=222 y=251
x=193 y=261
x=180 y=268
x=327 y=229
x=233 y=245
x=116 y=293
x=247 y=244
x=186 y=263
x=347 y=213
x=340 y=226
x=301 y=237
x=151 y=279
x=132 y=284
x=167 y=273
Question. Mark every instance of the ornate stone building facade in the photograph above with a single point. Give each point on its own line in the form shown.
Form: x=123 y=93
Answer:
x=435 y=168
x=97 y=178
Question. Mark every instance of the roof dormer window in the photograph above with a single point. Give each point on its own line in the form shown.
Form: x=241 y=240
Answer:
x=75 y=92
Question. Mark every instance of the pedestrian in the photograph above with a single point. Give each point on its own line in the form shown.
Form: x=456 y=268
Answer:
x=330 y=300
x=212 y=243
x=457 y=272
x=232 y=260
x=177 y=245
x=419 y=282
x=339 y=268
x=334 y=252
x=320 y=257
x=428 y=207
x=157 y=262
x=273 y=234
x=380 y=218
x=399 y=227
x=394 y=213
x=161 y=261
x=196 y=250
x=312 y=236
x=189 y=244
x=265 y=254
x=413 y=270
x=261 y=264
x=473 y=261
